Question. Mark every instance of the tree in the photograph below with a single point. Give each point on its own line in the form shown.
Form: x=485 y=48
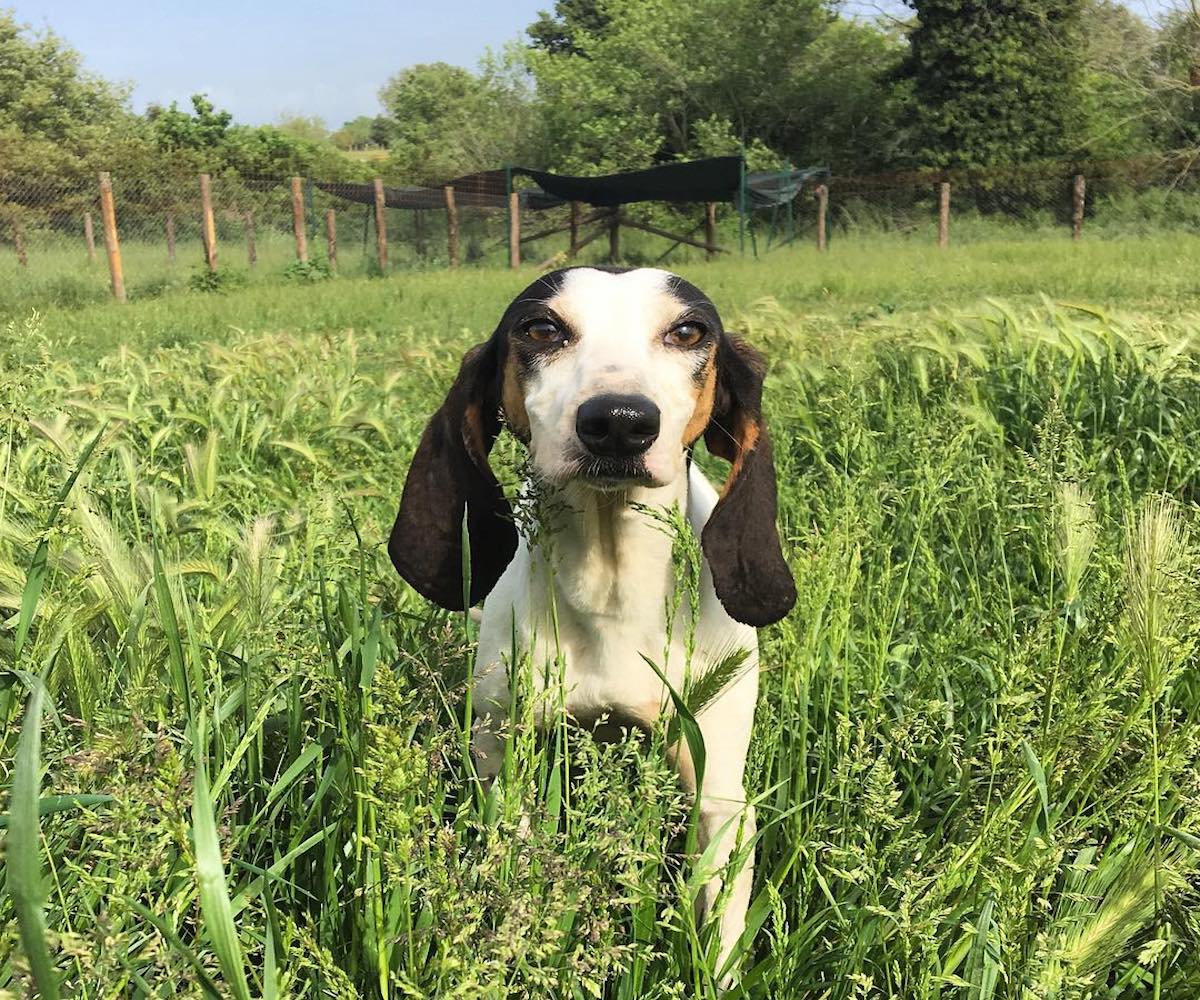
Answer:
x=445 y=120
x=45 y=92
x=661 y=79
x=362 y=132
x=205 y=129
x=1175 y=62
x=993 y=81
x=561 y=32
x=310 y=128
x=1116 y=108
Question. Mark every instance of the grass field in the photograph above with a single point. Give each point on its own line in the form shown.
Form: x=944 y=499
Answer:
x=976 y=753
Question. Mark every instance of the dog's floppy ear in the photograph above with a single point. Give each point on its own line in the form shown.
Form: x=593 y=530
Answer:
x=740 y=540
x=450 y=474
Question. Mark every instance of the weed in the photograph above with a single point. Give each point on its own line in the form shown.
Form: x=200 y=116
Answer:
x=975 y=754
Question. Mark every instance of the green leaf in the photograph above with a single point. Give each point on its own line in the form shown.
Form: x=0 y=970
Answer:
x=36 y=577
x=172 y=938
x=983 y=961
x=1038 y=774
x=61 y=803
x=687 y=725
x=214 y=896
x=170 y=626
x=24 y=861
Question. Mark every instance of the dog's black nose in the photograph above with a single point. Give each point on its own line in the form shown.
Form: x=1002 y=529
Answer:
x=612 y=426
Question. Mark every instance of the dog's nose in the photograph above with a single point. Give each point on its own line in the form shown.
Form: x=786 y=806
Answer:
x=612 y=426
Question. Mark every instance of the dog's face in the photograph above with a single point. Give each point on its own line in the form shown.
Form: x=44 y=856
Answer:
x=610 y=376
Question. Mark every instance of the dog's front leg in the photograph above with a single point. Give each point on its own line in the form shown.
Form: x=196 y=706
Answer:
x=725 y=817
x=487 y=749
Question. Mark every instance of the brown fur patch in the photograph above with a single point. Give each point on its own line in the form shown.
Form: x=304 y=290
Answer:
x=512 y=399
x=702 y=412
x=746 y=436
x=473 y=430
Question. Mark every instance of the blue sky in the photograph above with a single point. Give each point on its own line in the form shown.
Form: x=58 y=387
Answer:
x=261 y=59
x=264 y=58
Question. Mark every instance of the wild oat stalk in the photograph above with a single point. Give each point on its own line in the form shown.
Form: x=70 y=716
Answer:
x=1075 y=538
x=1075 y=533
x=1086 y=948
x=258 y=570
x=1155 y=548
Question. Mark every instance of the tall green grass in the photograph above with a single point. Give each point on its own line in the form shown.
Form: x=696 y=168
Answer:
x=975 y=753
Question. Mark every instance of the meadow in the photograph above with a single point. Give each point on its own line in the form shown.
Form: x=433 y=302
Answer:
x=232 y=750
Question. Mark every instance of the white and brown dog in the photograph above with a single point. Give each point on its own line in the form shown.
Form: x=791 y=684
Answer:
x=610 y=377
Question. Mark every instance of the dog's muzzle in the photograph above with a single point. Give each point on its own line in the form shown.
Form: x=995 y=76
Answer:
x=617 y=427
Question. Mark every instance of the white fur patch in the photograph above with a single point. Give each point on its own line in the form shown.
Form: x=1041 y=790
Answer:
x=617 y=322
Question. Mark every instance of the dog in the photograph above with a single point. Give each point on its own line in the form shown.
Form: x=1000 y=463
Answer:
x=610 y=377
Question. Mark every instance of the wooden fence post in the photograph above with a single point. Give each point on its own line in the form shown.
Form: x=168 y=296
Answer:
x=18 y=232
x=710 y=228
x=944 y=215
x=614 y=237
x=419 y=232
x=251 y=244
x=514 y=230
x=574 y=228
x=451 y=224
x=171 y=237
x=331 y=237
x=108 y=218
x=1078 y=193
x=208 y=225
x=380 y=225
x=822 y=214
x=298 y=228
x=89 y=237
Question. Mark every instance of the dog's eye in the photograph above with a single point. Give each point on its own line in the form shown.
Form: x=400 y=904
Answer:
x=685 y=335
x=543 y=331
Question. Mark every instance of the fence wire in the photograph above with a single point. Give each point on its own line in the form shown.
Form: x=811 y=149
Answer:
x=53 y=245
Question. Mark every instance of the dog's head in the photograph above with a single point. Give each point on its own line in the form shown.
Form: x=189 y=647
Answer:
x=610 y=377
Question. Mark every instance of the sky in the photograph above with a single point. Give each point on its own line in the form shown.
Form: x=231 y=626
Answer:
x=262 y=59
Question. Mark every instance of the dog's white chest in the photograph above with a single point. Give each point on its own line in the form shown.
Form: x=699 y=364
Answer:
x=586 y=630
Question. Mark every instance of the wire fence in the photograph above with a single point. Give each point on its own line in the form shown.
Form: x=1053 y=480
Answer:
x=1058 y=200
x=166 y=228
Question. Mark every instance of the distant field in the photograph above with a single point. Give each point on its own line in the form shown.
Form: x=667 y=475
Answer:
x=888 y=271
x=976 y=744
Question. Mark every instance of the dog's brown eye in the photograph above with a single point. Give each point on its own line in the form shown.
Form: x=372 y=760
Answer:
x=543 y=331
x=685 y=335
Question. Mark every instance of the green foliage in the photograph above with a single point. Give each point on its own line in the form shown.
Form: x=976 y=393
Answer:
x=362 y=132
x=445 y=120
x=560 y=33
x=308 y=128
x=214 y=142
x=1117 y=92
x=1174 y=99
x=992 y=82
x=44 y=91
x=204 y=280
x=205 y=128
x=975 y=751
x=308 y=271
x=787 y=76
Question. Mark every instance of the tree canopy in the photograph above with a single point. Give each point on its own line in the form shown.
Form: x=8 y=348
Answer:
x=600 y=85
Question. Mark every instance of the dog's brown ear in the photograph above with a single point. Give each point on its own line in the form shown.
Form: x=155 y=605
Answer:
x=449 y=474
x=740 y=540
